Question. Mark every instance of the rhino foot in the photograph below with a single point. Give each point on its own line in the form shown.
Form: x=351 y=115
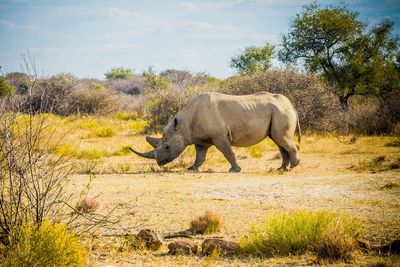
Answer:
x=282 y=169
x=235 y=169
x=193 y=169
x=295 y=164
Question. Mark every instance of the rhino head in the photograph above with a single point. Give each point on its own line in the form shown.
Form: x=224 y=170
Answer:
x=167 y=148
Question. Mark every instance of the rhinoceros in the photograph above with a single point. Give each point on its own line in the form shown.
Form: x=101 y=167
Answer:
x=225 y=121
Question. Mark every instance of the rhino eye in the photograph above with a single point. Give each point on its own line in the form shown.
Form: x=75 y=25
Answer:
x=167 y=147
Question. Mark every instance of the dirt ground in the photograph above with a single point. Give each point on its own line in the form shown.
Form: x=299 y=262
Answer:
x=334 y=174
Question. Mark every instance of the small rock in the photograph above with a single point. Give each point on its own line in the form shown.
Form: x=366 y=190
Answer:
x=225 y=247
x=152 y=238
x=182 y=247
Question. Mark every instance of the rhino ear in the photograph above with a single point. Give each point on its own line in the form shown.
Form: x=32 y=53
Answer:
x=153 y=141
x=176 y=124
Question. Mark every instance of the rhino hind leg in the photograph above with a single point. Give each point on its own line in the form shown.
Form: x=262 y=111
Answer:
x=285 y=159
x=225 y=147
x=289 y=145
x=201 y=152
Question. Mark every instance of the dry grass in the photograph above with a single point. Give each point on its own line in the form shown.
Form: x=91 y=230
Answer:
x=208 y=223
x=168 y=200
x=88 y=205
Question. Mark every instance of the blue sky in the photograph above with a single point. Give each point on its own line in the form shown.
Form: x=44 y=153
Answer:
x=88 y=38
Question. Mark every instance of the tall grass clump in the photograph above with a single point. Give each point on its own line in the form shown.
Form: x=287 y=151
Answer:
x=325 y=233
x=44 y=245
x=206 y=224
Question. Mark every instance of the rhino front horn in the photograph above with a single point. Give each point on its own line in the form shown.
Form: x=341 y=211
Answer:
x=147 y=155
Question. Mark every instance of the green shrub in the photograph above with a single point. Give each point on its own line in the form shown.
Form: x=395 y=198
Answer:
x=206 y=224
x=119 y=73
x=6 y=88
x=155 y=82
x=46 y=245
x=326 y=233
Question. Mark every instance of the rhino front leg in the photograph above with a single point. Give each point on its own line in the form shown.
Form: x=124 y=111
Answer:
x=225 y=147
x=201 y=152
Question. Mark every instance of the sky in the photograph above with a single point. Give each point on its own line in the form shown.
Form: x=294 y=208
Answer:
x=88 y=38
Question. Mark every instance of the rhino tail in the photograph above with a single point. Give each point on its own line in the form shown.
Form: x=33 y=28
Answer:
x=299 y=131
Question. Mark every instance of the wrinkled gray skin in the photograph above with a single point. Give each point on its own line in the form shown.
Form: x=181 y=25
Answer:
x=225 y=121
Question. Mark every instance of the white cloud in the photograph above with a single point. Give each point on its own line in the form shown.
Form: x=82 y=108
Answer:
x=190 y=6
x=13 y=26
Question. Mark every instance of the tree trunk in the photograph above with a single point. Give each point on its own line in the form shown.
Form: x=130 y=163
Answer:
x=344 y=101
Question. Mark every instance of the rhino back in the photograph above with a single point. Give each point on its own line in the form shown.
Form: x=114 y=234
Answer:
x=244 y=119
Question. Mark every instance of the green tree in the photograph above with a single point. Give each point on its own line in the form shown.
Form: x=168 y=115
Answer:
x=352 y=57
x=5 y=87
x=119 y=73
x=253 y=59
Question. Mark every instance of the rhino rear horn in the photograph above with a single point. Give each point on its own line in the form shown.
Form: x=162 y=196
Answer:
x=153 y=141
x=147 y=155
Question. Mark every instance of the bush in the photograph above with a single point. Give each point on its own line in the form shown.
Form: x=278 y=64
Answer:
x=119 y=73
x=325 y=233
x=206 y=224
x=155 y=82
x=45 y=245
x=159 y=109
x=94 y=100
x=50 y=95
x=373 y=115
x=317 y=106
x=5 y=87
x=20 y=81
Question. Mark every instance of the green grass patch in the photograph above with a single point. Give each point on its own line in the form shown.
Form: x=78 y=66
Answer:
x=325 y=233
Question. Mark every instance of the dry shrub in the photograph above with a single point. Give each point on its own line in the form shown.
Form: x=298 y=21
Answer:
x=131 y=86
x=88 y=205
x=159 y=109
x=161 y=106
x=49 y=95
x=336 y=244
x=206 y=224
x=316 y=105
x=90 y=101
